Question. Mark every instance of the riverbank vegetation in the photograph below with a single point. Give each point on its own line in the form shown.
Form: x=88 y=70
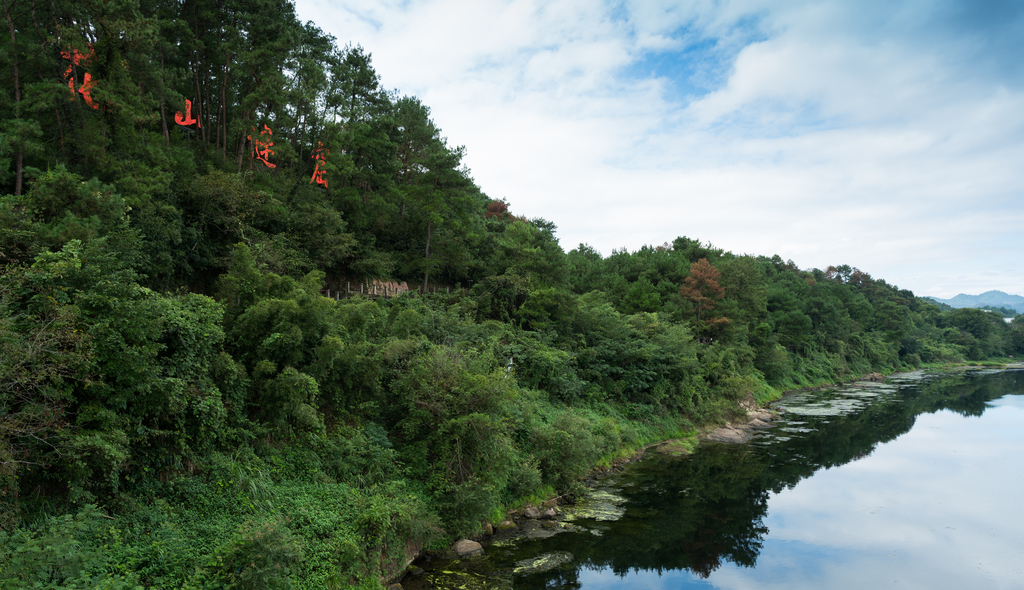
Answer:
x=202 y=383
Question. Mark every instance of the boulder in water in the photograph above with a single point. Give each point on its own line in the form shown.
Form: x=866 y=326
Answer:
x=506 y=525
x=467 y=548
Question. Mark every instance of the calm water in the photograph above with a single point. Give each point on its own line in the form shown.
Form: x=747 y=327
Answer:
x=917 y=484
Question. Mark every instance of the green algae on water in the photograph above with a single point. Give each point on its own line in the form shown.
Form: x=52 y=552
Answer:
x=542 y=563
x=600 y=504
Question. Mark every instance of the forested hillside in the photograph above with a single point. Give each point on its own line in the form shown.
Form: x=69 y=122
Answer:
x=183 y=405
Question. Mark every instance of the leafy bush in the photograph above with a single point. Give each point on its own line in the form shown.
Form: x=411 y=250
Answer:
x=566 y=448
x=259 y=557
x=69 y=551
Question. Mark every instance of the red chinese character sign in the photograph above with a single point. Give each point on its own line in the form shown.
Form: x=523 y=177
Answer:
x=321 y=159
x=261 y=146
x=187 y=118
x=85 y=89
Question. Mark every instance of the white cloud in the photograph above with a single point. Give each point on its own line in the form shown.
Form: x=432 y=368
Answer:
x=885 y=136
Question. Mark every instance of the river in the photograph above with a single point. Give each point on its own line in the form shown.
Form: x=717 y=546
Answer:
x=915 y=483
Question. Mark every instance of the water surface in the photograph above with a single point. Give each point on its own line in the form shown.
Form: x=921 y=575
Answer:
x=912 y=484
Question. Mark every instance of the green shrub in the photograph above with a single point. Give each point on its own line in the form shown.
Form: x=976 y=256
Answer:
x=774 y=363
x=566 y=448
x=63 y=552
x=260 y=556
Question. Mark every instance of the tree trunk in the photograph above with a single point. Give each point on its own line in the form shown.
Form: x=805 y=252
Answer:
x=18 y=156
x=216 y=143
x=224 y=117
x=163 y=113
x=241 y=151
x=209 y=109
x=60 y=129
x=224 y=103
x=426 y=266
x=242 y=140
x=198 y=102
x=298 y=126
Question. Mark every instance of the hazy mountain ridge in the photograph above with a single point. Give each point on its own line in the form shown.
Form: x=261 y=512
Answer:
x=990 y=298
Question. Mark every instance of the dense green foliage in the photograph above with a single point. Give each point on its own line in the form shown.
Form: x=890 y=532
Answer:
x=182 y=406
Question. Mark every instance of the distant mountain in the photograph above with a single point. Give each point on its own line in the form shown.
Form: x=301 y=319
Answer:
x=990 y=298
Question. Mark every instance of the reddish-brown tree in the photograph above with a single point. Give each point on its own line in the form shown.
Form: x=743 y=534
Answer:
x=702 y=288
x=500 y=210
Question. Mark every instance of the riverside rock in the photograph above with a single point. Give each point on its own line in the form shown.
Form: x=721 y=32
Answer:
x=467 y=548
x=728 y=434
x=737 y=434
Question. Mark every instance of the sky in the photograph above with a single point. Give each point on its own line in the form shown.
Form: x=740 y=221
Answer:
x=883 y=134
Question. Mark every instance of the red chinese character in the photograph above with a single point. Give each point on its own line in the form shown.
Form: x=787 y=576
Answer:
x=261 y=146
x=86 y=87
x=320 y=157
x=187 y=119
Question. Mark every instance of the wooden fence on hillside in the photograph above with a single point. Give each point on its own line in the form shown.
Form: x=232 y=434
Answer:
x=375 y=288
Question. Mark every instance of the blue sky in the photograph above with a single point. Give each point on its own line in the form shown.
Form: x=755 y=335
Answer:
x=885 y=135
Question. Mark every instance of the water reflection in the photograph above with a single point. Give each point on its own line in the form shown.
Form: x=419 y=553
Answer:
x=689 y=515
x=830 y=499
